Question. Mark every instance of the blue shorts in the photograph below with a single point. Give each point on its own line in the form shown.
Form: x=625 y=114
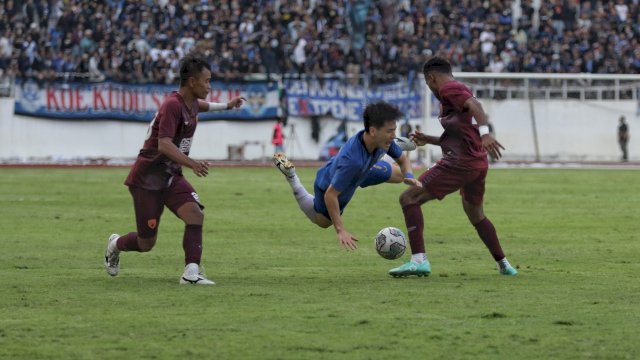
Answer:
x=379 y=173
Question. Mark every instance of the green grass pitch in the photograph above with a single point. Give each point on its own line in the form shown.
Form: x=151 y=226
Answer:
x=285 y=290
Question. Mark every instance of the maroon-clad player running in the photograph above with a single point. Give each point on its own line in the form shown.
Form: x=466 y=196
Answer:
x=156 y=179
x=463 y=167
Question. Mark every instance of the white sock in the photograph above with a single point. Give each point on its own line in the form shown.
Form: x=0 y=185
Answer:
x=503 y=263
x=306 y=205
x=113 y=246
x=419 y=258
x=192 y=269
x=304 y=199
x=298 y=189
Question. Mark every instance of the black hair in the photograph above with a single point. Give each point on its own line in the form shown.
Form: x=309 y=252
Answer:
x=378 y=113
x=436 y=64
x=191 y=65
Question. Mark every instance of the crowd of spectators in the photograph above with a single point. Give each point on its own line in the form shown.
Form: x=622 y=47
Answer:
x=141 y=41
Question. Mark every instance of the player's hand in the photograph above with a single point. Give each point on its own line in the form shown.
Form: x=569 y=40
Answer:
x=201 y=168
x=419 y=138
x=236 y=102
x=412 y=182
x=347 y=241
x=492 y=146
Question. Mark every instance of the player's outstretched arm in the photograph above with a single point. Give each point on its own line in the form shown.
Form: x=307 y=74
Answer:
x=204 y=106
x=491 y=145
x=407 y=171
x=170 y=150
x=345 y=239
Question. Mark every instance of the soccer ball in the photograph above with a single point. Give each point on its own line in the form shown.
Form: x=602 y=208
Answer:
x=390 y=243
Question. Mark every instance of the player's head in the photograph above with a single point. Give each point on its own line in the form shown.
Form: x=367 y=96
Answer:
x=195 y=75
x=380 y=122
x=435 y=68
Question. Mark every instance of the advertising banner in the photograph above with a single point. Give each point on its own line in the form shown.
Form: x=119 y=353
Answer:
x=343 y=101
x=117 y=101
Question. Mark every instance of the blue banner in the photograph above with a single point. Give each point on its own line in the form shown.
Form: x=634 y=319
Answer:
x=117 y=101
x=342 y=101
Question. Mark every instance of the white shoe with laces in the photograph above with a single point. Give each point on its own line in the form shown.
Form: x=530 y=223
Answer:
x=193 y=276
x=112 y=256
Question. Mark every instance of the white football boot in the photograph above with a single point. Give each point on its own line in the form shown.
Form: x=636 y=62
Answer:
x=405 y=144
x=112 y=256
x=192 y=275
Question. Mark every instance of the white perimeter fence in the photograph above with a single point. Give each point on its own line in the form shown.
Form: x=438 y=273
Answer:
x=537 y=117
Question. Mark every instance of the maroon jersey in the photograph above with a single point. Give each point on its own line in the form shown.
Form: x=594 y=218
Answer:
x=460 y=142
x=153 y=170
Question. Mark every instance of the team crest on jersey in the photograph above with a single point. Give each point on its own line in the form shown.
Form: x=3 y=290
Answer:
x=152 y=223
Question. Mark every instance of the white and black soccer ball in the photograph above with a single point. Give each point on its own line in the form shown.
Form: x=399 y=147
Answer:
x=391 y=243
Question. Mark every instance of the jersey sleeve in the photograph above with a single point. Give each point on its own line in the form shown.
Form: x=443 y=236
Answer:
x=394 y=150
x=345 y=174
x=169 y=115
x=455 y=94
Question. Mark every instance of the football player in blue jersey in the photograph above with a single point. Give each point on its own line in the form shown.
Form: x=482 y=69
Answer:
x=366 y=159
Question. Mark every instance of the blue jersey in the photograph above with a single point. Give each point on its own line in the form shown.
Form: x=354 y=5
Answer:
x=351 y=168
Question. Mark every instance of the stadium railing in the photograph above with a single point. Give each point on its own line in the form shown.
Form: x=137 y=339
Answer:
x=505 y=86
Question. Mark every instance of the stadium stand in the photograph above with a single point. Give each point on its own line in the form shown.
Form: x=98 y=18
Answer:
x=142 y=41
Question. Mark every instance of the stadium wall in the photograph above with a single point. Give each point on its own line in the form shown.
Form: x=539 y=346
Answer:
x=31 y=139
x=566 y=131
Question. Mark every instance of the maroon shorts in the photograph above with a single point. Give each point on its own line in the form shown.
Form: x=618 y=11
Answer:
x=442 y=179
x=149 y=204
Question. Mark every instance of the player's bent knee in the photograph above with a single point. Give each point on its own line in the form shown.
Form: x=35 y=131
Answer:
x=145 y=245
x=322 y=221
x=407 y=198
x=197 y=218
x=475 y=216
x=191 y=214
x=475 y=213
x=415 y=196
